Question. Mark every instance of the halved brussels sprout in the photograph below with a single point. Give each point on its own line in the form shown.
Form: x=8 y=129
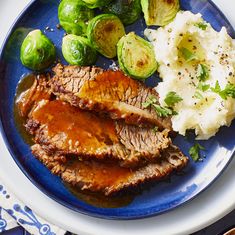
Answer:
x=128 y=11
x=104 y=31
x=74 y=15
x=77 y=50
x=160 y=12
x=136 y=56
x=96 y=3
x=37 y=51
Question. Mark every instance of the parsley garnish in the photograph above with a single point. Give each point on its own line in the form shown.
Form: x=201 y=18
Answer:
x=155 y=129
x=194 y=152
x=150 y=101
x=164 y=111
x=161 y=111
x=198 y=95
x=172 y=98
x=203 y=87
x=187 y=54
x=229 y=90
x=201 y=25
x=217 y=88
x=202 y=72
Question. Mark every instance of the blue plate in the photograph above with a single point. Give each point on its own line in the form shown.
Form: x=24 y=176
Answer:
x=163 y=196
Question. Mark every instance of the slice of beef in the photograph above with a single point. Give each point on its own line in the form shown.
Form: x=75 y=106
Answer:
x=108 y=177
x=66 y=130
x=109 y=92
x=38 y=91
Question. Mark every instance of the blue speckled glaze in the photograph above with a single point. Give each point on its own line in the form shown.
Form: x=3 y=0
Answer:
x=164 y=196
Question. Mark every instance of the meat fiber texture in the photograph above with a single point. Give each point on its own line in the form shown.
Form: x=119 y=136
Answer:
x=107 y=177
x=65 y=129
x=109 y=92
x=92 y=151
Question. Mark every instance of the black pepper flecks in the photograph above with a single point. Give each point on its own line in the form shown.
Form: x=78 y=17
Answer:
x=58 y=26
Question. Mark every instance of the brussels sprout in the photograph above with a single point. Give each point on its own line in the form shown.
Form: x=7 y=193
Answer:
x=37 y=51
x=136 y=56
x=159 y=12
x=74 y=15
x=96 y=3
x=127 y=10
x=104 y=31
x=77 y=50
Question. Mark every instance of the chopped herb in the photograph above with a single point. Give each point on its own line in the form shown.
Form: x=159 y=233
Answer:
x=201 y=25
x=203 y=87
x=194 y=152
x=164 y=111
x=155 y=129
x=150 y=101
x=187 y=54
x=229 y=90
x=161 y=111
x=202 y=72
x=198 y=95
x=217 y=88
x=172 y=98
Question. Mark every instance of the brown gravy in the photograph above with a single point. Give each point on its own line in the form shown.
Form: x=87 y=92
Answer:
x=80 y=129
x=65 y=115
x=101 y=201
x=24 y=84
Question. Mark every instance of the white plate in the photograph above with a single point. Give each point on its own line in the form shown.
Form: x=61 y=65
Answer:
x=208 y=207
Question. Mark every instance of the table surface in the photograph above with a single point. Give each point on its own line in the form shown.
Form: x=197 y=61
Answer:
x=217 y=228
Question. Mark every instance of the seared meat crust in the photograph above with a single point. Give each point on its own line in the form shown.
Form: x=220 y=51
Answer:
x=65 y=129
x=108 y=177
x=109 y=92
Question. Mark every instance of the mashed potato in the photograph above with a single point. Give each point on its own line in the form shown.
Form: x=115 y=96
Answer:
x=193 y=59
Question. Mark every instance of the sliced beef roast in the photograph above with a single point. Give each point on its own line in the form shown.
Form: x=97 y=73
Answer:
x=71 y=142
x=38 y=91
x=66 y=129
x=110 y=92
x=108 y=177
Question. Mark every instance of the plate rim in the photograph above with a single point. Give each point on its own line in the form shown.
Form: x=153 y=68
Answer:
x=84 y=211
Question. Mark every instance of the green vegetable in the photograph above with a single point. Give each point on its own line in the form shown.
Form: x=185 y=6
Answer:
x=37 y=51
x=96 y=3
x=198 y=95
x=159 y=12
x=203 y=87
x=164 y=111
x=128 y=11
x=155 y=129
x=74 y=15
x=201 y=25
x=77 y=50
x=202 y=72
x=217 y=88
x=194 y=152
x=172 y=98
x=161 y=111
x=104 y=31
x=187 y=54
x=229 y=90
x=136 y=56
